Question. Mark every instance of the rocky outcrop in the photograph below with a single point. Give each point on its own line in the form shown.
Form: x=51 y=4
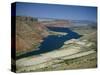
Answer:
x=29 y=34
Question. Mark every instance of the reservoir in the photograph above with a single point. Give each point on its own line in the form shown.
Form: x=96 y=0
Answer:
x=53 y=42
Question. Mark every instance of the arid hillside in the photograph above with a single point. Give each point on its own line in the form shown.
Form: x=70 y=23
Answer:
x=29 y=34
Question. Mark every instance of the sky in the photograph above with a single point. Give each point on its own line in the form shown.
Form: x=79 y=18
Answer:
x=66 y=12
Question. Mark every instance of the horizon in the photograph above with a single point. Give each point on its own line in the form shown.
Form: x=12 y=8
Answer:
x=55 y=11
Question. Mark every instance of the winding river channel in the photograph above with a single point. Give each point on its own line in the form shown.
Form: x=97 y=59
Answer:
x=53 y=42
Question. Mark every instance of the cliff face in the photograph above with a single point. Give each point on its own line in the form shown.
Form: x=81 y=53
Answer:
x=29 y=34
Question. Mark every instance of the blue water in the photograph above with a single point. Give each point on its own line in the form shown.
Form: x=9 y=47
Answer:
x=53 y=42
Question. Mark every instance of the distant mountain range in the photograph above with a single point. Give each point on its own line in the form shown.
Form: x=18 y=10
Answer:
x=57 y=23
x=67 y=23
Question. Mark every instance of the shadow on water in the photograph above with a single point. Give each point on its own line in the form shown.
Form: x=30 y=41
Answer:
x=53 y=42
